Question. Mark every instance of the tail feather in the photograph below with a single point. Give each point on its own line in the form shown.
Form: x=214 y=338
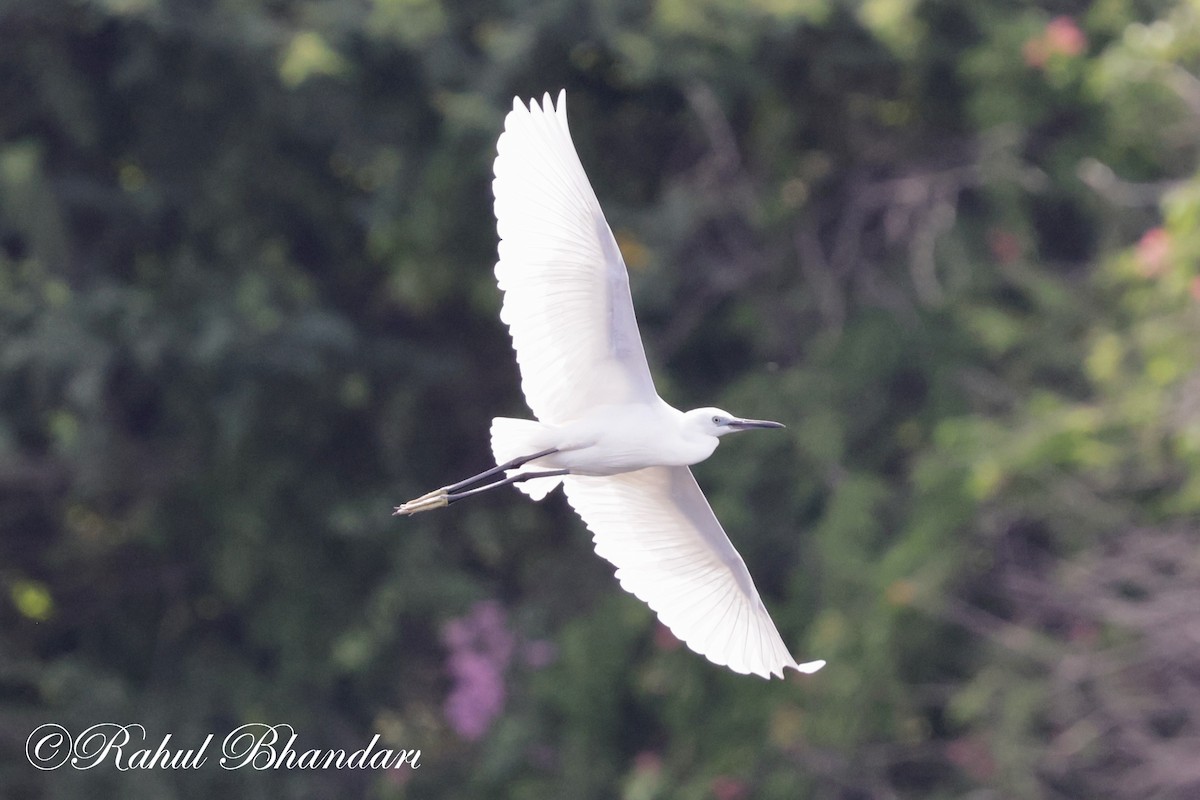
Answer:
x=513 y=438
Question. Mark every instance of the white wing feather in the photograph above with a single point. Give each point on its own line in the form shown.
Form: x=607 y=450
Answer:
x=670 y=551
x=566 y=290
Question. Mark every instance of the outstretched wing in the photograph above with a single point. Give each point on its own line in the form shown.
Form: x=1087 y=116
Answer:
x=566 y=290
x=670 y=551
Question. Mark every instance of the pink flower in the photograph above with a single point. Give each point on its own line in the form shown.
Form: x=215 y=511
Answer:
x=725 y=787
x=1061 y=37
x=1064 y=36
x=1005 y=246
x=647 y=761
x=1151 y=253
x=477 y=697
x=481 y=647
x=972 y=755
x=664 y=639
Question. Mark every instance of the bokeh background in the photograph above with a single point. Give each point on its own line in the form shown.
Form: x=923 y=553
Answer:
x=247 y=307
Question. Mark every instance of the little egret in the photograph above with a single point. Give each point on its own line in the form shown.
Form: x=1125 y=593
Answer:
x=620 y=451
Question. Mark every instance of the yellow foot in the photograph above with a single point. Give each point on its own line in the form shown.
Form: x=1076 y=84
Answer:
x=426 y=502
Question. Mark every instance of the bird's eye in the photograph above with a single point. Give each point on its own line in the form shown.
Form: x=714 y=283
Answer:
x=716 y=420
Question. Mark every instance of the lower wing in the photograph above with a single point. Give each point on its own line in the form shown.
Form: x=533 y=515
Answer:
x=657 y=528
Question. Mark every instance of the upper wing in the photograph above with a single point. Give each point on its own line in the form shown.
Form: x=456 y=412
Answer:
x=657 y=528
x=566 y=291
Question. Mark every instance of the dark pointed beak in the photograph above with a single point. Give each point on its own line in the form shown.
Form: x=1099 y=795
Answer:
x=748 y=424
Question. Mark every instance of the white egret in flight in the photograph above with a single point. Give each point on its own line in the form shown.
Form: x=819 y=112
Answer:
x=620 y=451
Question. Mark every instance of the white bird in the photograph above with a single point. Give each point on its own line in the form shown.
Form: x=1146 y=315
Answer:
x=620 y=451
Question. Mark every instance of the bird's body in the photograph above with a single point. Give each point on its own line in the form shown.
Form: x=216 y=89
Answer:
x=619 y=450
x=611 y=439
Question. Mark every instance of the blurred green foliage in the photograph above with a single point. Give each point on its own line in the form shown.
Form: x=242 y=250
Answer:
x=246 y=307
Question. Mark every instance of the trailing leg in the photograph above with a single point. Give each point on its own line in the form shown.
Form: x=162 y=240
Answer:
x=439 y=498
x=518 y=478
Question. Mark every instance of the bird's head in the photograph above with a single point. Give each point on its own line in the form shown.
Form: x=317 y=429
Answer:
x=715 y=422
